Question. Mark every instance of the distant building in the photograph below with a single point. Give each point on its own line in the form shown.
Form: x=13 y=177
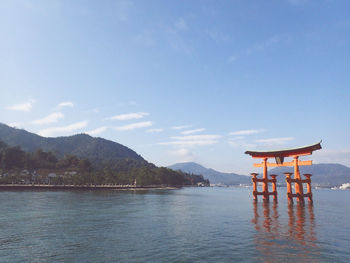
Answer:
x=71 y=173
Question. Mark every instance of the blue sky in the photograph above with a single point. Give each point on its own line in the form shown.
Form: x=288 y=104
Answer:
x=181 y=80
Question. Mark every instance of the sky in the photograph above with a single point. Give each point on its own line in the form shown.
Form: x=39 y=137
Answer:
x=178 y=81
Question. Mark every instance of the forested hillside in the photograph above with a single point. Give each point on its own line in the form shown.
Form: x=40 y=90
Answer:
x=97 y=150
x=79 y=159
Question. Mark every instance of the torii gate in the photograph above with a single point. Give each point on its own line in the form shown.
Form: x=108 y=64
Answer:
x=279 y=156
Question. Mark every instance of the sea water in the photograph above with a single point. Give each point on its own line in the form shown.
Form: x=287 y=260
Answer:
x=184 y=225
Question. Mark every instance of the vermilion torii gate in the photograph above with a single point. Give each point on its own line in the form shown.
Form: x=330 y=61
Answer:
x=279 y=156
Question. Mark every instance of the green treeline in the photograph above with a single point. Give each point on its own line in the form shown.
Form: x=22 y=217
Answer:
x=40 y=167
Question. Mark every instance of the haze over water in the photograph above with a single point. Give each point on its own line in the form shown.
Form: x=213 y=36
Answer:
x=186 y=225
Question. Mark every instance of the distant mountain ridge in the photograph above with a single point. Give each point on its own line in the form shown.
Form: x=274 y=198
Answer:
x=215 y=177
x=323 y=174
x=81 y=145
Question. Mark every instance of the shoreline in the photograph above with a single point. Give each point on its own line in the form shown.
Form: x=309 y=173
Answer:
x=83 y=187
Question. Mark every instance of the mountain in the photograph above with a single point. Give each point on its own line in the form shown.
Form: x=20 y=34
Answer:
x=96 y=150
x=323 y=174
x=214 y=176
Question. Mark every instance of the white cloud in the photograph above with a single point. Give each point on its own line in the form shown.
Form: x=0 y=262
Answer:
x=26 y=106
x=240 y=143
x=190 y=143
x=128 y=116
x=155 y=130
x=133 y=126
x=181 y=127
x=96 y=131
x=193 y=140
x=247 y=132
x=332 y=156
x=275 y=141
x=197 y=137
x=65 y=104
x=192 y=131
x=182 y=155
x=268 y=43
x=53 y=117
x=217 y=36
x=63 y=130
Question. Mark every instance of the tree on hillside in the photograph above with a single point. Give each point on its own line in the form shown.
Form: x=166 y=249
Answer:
x=13 y=157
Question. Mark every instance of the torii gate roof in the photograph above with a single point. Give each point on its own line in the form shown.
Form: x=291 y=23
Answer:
x=304 y=150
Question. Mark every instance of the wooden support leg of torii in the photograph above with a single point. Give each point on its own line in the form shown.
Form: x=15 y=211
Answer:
x=255 y=190
x=274 y=186
x=298 y=186
x=265 y=188
x=289 y=187
x=309 y=193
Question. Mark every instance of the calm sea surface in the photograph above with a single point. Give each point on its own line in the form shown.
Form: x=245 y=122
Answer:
x=186 y=225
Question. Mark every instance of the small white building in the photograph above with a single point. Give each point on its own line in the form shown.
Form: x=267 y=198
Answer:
x=52 y=175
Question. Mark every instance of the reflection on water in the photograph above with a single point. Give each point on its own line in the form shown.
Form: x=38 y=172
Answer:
x=285 y=239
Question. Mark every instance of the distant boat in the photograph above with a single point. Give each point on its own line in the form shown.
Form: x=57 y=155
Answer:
x=345 y=186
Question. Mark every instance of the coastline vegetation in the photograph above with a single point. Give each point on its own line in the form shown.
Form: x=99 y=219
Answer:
x=41 y=167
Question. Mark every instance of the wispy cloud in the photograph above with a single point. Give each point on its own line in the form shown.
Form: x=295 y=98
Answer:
x=217 y=35
x=332 y=156
x=175 y=36
x=181 y=127
x=133 y=126
x=182 y=155
x=25 y=106
x=275 y=141
x=268 y=43
x=189 y=143
x=192 y=140
x=65 y=104
x=52 y=118
x=63 y=130
x=96 y=131
x=197 y=137
x=155 y=130
x=192 y=131
x=239 y=142
x=128 y=116
x=247 y=132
